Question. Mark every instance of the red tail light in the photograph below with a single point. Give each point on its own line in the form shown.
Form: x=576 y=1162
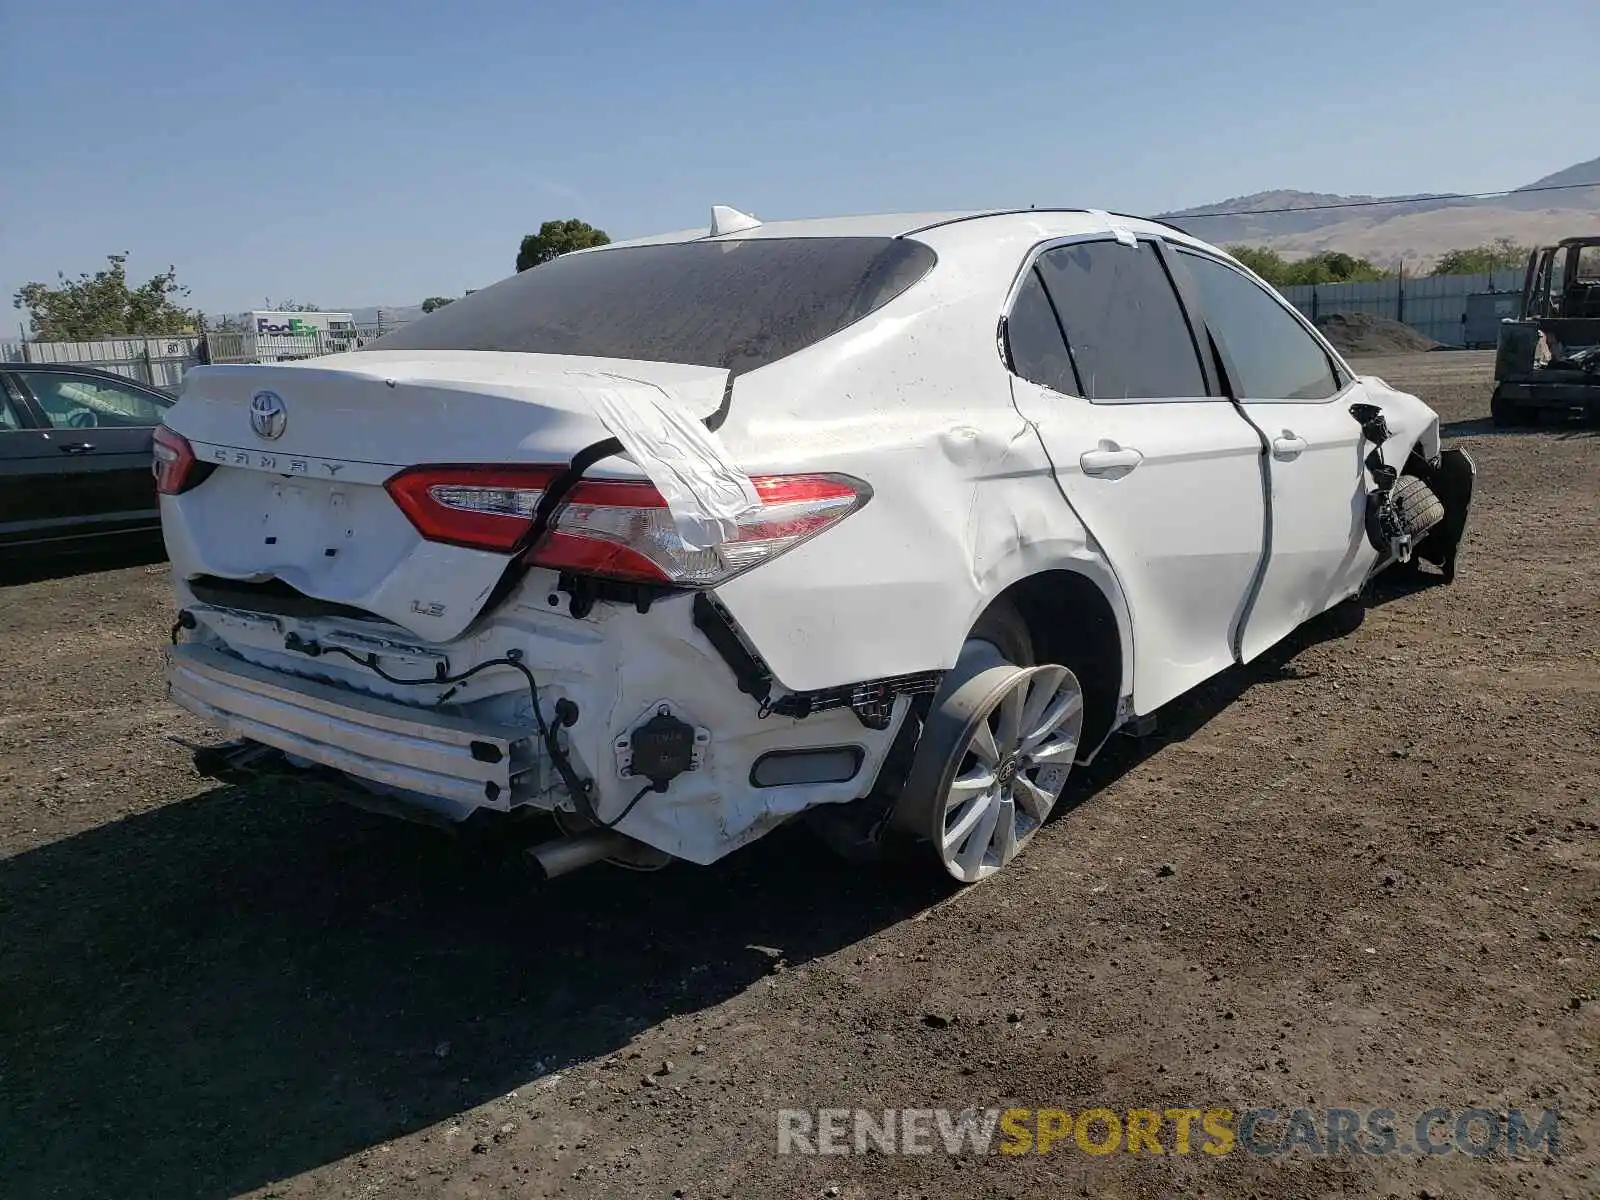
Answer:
x=616 y=529
x=479 y=507
x=174 y=464
x=624 y=531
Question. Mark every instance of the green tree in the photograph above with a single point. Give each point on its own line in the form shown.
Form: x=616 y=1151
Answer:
x=292 y=306
x=556 y=238
x=1330 y=266
x=1498 y=255
x=1268 y=264
x=1334 y=266
x=103 y=305
x=432 y=303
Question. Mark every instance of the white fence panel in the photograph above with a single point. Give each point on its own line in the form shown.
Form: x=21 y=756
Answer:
x=1434 y=305
x=162 y=361
x=159 y=361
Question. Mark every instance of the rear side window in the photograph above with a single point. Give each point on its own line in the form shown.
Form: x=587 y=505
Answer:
x=88 y=402
x=739 y=304
x=1033 y=339
x=1127 y=332
x=1273 y=356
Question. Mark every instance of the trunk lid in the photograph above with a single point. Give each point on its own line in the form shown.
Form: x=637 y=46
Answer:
x=398 y=408
x=300 y=453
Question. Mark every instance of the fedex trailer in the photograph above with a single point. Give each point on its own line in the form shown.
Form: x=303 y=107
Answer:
x=284 y=336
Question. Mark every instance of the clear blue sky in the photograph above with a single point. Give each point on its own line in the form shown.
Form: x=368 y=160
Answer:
x=354 y=152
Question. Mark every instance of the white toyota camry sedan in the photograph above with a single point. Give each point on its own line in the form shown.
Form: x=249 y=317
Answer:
x=887 y=520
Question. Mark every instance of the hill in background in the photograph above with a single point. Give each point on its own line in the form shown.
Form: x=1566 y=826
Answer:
x=1414 y=230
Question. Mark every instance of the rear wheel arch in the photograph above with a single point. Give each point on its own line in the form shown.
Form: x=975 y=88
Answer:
x=1069 y=619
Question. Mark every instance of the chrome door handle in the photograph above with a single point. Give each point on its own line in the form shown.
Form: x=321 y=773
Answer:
x=1287 y=446
x=1110 y=460
x=75 y=447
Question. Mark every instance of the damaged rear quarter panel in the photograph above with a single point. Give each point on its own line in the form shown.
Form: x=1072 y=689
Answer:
x=916 y=402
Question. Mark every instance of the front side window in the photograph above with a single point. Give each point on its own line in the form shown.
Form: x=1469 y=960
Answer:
x=86 y=402
x=1273 y=356
x=1126 y=330
x=740 y=304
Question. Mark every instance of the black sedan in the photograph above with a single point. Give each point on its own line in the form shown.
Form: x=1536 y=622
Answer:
x=75 y=457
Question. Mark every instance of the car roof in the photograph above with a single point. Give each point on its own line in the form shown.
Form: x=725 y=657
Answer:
x=978 y=224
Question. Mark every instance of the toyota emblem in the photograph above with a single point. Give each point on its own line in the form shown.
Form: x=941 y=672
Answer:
x=268 y=416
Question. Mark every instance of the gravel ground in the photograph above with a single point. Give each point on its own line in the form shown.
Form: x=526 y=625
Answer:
x=1364 y=872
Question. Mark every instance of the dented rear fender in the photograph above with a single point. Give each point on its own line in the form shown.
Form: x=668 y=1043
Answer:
x=962 y=514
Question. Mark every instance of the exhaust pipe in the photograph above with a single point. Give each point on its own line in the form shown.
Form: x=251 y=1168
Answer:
x=566 y=854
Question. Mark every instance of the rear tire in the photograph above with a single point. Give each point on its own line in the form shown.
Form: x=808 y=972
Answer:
x=994 y=754
x=857 y=832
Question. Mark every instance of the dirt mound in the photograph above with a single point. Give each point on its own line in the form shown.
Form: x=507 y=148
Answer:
x=1363 y=333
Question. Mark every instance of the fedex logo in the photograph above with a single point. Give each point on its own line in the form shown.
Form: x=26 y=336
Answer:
x=292 y=328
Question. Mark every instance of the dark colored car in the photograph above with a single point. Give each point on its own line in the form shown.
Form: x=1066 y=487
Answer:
x=75 y=457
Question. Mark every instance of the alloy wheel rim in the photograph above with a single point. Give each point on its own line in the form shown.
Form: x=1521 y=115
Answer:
x=1016 y=760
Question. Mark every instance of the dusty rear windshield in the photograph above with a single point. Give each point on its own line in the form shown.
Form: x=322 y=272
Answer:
x=739 y=304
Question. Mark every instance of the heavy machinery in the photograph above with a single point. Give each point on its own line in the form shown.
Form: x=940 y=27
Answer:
x=1547 y=362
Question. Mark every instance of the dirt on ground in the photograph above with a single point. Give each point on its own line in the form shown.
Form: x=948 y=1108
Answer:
x=1366 y=334
x=1363 y=872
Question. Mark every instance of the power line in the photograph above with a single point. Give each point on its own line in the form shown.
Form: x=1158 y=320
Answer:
x=1263 y=212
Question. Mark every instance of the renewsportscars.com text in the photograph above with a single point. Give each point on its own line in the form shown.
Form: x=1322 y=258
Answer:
x=1263 y=1132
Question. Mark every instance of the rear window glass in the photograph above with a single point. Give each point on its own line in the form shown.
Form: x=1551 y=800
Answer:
x=1126 y=330
x=739 y=304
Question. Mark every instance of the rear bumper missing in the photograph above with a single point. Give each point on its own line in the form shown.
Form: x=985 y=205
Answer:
x=467 y=763
x=615 y=672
